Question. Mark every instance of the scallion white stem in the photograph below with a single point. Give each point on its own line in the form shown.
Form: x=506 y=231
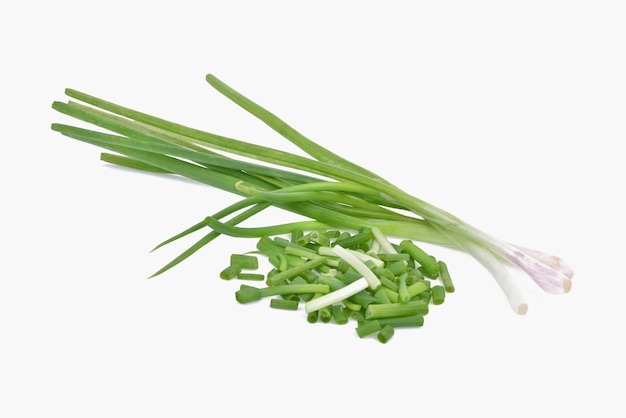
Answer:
x=367 y=258
x=336 y=296
x=358 y=265
x=513 y=293
x=382 y=240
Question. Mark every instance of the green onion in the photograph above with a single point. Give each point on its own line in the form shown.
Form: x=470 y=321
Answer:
x=393 y=296
x=320 y=238
x=382 y=296
x=428 y=262
x=268 y=246
x=247 y=262
x=291 y=289
x=382 y=241
x=339 y=315
x=247 y=294
x=230 y=272
x=372 y=281
x=329 y=193
x=363 y=298
x=302 y=296
x=336 y=296
x=402 y=321
x=368 y=328
x=424 y=296
x=325 y=314
x=294 y=271
x=389 y=283
x=416 y=275
x=355 y=240
x=312 y=317
x=333 y=282
x=350 y=276
x=355 y=307
x=403 y=291
x=438 y=294
x=396 y=267
x=394 y=257
x=385 y=334
x=287 y=304
x=444 y=274
x=251 y=276
x=417 y=288
x=388 y=310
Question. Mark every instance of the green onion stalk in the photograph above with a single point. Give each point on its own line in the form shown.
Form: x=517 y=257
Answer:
x=327 y=190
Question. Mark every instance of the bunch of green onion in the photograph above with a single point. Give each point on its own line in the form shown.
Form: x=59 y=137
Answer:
x=328 y=191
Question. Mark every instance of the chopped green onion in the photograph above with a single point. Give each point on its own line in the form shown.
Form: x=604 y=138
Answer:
x=382 y=240
x=310 y=275
x=320 y=238
x=339 y=315
x=368 y=328
x=417 y=288
x=354 y=240
x=350 y=276
x=438 y=294
x=290 y=289
x=424 y=296
x=351 y=305
x=403 y=292
x=251 y=276
x=298 y=249
x=403 y=321
x=325 y=314
x=444 y=274
x=385 y=334
x=375 y=248
x=396 y=267
x=247 y=262
x=388 y=310
x=357 y=316
x=390 y=257
x=393 y=296
x=415 y=276
x=382 y=296
x=427 y=261
x=230 y=272
x=247 y=294
x=302 y=296
x=388 y=274
x=296 y=235
x=363 y=298
x=294 y=271
x=336 y=296
x=333 y=282
x=358 y=265
x=287 y=304
x=266 y=245
x=389 y=283
x=312 y=317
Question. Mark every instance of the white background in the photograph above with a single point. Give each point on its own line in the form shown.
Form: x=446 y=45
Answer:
x=508 y=114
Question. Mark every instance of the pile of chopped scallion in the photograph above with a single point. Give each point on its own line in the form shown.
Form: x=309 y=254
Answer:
x=331 y=194
x=339 y=275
